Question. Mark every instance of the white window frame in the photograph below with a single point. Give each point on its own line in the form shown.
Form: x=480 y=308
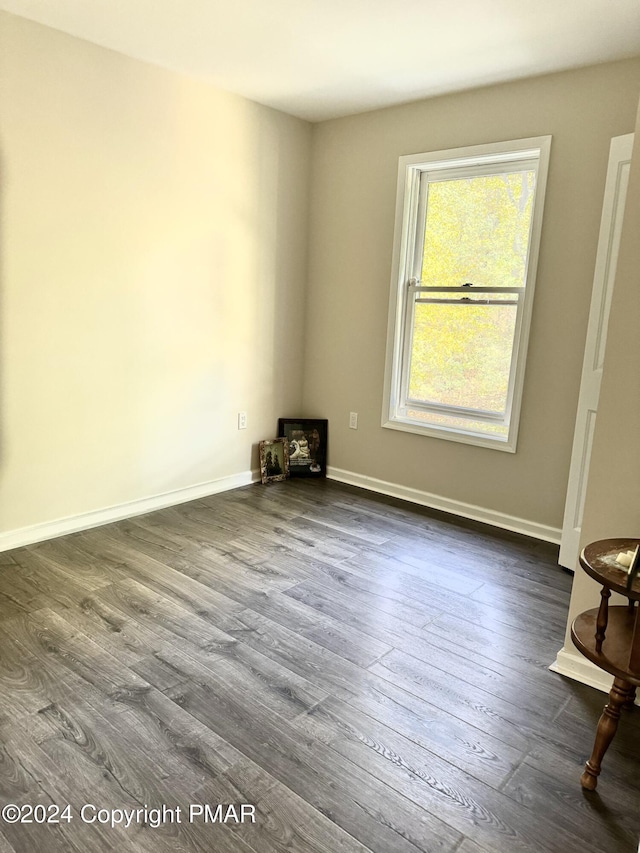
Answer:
x=414 y=169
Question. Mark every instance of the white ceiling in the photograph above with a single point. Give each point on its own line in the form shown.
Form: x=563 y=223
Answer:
x=320 y=59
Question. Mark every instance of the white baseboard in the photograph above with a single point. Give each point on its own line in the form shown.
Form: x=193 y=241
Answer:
x=580 y=669
x=86 y=520
x=476 y=513
x=574 y=666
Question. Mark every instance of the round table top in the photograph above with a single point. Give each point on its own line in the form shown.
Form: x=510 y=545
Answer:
x=598 y=559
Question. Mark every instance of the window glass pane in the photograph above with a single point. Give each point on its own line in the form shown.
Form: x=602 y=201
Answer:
x=477 y=230
x=461 y=355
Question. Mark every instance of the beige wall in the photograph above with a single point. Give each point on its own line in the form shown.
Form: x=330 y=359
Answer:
x=612 y=505
x=352 y=219
x=153 y=255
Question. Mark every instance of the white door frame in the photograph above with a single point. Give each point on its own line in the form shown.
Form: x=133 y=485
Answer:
x=615 y=194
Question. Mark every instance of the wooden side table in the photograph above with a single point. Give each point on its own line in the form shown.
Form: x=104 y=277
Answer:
x=610 y=638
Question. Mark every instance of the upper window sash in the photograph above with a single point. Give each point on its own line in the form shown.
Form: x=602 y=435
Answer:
x=421 y=178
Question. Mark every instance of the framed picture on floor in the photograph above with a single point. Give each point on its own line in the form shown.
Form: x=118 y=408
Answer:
x=307 y=444
x=274 y=460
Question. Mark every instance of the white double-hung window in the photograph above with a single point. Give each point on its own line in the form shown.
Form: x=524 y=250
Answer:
x=468 y=225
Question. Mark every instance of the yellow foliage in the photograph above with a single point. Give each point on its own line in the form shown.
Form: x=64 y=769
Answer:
x=476 y=230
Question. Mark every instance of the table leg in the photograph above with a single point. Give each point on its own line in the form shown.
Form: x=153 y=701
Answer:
x=631 y=701
x=620 y=694
x=603 y=617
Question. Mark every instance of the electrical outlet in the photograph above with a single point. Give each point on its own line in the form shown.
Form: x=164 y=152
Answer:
x=242 y=420
x=353 y=420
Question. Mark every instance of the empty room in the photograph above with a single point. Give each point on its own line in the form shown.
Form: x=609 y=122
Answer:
x=319 y=461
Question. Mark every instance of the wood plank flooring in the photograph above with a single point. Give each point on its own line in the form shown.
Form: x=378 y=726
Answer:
x=371 y=676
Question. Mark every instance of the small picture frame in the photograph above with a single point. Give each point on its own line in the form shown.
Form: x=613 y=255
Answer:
x=307 y=445
x=274 y=460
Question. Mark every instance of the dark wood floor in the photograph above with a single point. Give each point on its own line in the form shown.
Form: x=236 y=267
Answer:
x=371 y=676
